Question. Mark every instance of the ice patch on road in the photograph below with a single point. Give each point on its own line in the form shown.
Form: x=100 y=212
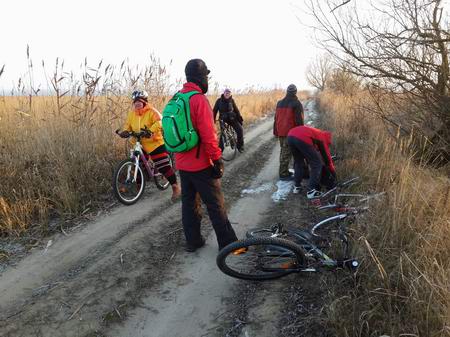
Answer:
x=262 y=188
x=311 y=114
x=284 y=188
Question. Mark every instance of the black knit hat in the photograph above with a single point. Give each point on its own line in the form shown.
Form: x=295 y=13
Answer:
x=291 y=89
x=197 y=72
x=196 y=68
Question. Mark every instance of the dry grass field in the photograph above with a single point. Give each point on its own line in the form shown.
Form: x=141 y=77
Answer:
x=403 y=288
x=58 y=153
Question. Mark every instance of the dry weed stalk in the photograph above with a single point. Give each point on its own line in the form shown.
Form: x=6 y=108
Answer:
x=408 y=232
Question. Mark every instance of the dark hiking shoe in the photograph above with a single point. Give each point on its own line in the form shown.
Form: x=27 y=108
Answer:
x=190 y=248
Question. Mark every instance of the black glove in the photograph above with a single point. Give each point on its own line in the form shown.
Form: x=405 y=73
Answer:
x=217 y=169
x=147 y=133
x=123 y=134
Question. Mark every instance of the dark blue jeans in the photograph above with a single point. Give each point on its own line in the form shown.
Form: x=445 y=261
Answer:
x=196 y=186
x=301 y=152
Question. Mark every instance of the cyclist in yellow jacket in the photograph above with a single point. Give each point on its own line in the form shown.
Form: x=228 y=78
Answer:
x=145 y=116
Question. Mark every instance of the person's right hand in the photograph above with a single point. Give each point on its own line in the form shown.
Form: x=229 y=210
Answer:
x=123 y=134
x=217 y=169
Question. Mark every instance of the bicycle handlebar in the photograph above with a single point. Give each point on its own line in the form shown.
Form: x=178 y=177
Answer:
x=144 y=133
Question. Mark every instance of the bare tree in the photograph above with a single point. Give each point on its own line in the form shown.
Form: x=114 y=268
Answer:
x=401 y=46
x=319 y=72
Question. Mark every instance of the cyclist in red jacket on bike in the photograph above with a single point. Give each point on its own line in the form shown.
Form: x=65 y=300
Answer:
x=312 y=144
x=201 y=167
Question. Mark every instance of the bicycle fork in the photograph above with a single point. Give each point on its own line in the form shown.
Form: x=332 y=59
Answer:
x=135 y=173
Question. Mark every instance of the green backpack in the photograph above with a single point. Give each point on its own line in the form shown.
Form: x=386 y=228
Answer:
x=178 y=132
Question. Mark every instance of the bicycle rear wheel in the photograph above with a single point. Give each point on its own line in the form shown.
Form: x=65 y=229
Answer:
x=229 y=141
x=260 y=258
x=126 y=189
x=287 y=233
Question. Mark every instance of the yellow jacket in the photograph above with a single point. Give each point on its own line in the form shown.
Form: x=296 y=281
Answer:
x=146 y=117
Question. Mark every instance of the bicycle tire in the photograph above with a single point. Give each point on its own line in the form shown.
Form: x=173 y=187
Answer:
x=266 y=232
x=229 y=145
x=117 y=186
x=268 y=259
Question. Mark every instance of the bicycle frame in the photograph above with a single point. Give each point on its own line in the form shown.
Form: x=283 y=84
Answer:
x=137 y=154
x=306 y=238
x=224 y=129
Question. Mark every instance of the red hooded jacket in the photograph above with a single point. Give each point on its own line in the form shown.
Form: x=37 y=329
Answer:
x=202 y=120
x=320 y=139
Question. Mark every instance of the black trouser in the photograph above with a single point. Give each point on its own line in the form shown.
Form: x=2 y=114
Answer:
x=200 y=185
x=301 y=151
x=239 y=132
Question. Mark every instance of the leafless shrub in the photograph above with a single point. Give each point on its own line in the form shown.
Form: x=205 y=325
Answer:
x=400 y=47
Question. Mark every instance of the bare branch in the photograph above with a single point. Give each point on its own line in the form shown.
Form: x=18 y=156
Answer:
x=342 y=4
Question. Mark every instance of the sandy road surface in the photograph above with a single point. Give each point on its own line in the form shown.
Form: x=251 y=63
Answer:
x=117 y=267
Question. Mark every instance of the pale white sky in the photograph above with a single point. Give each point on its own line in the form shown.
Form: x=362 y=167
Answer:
x=243 y=42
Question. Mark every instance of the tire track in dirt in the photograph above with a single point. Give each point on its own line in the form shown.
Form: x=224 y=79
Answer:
x=194 y=298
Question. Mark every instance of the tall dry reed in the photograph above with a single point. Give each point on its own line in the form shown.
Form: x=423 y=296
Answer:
x=403 y=287
x=58 y=148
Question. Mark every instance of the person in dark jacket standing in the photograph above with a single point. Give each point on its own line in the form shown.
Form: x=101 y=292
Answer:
x=201 y=167
x=288 y=114
x=230 y=114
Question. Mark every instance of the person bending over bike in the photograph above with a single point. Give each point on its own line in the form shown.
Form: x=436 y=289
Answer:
x=230 y=114
x=144 y=116
x=311 y=144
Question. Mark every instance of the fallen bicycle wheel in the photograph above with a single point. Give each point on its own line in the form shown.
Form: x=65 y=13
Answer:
x=260 y=258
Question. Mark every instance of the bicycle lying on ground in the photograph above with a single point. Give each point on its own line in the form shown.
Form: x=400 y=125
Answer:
x=277 y=251
x=228 y=139
x=131 y=174
x=337 y=190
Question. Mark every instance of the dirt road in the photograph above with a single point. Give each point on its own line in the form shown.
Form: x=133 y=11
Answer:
x=131 y=262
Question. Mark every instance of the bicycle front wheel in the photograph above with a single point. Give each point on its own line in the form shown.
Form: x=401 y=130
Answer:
x=261 y=258
x=229 y=142
x=128 y=182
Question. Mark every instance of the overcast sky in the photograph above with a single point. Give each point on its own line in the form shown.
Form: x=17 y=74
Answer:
x=243 y=42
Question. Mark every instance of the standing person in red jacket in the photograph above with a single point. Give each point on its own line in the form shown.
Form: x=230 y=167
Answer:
x=201 y=167
x=289 y=113
x=313 y=145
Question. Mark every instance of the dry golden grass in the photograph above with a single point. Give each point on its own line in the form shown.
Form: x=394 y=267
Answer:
x=403 y=287
x=253 y=105
x=59 y=161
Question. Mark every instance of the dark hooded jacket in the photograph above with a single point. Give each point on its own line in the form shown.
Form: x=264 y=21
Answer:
x=227 y=109
x=289 y=114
